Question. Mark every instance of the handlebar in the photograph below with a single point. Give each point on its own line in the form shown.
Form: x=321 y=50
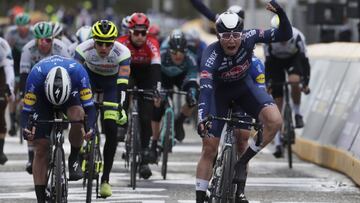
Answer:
x=236 y=120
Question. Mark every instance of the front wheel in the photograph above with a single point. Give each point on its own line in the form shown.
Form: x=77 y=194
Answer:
x=166 y=141
x=90 y=170
x=60 y=176
x=289 y=132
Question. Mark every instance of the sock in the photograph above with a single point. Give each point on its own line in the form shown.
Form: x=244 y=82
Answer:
x=30 y=152
x=153 y=144
x=277 y=139
x=296 y=108
x=181 y=117
x=40 y=193
x=249 y=154
x=241 y=186
x=74 y=152
x=201 y=185
x=2 y=146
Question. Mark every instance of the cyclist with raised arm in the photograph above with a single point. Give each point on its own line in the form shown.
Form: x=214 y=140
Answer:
x=17 y=36
x=62 y=82
x=107 y=63
x=178 y=68
x=224 y=79
x=42 y=46
x=287 y=57
x=145 y=74
x=7 y=78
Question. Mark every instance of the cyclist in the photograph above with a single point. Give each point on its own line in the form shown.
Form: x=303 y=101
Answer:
x=82 y=34
x=42 y=46
x=178 y=67
x=124 y=26
x=195 y=44
x=107 y=63
x=58 y=33
x=224 y=78
x=7 y=78
x=154 y=30
x=145 y=74
x=287 y=57
x=61 y=82
x=17 y=36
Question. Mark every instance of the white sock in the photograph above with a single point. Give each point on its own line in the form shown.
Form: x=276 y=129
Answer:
x=296 y=108
x=253 y=146
x=277 y=139
x=201 y=184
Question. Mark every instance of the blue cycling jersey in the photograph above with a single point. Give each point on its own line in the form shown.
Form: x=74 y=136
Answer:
x=218 y=69
x=80 y=85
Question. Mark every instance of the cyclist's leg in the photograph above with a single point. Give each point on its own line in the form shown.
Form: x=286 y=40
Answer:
x=275 y=73
x=13 y=104
x=43 y=110
x=186 y=109
x=75 y=112
x=257 y=103
x=295 y=76
x=210 y=146
x=3 y=104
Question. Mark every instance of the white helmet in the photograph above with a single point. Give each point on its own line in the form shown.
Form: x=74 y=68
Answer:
x=83 y=33
x=57 y=29
x=58 y=85
x=275 y=21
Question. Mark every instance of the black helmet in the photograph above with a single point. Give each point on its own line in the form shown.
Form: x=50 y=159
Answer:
x=229 y=22
x=177 y=41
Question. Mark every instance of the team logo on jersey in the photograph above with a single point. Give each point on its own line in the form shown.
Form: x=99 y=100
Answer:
x=85 y=94
x=260 y=78
x=30 y=99
x=235 y=72
x=205 y=75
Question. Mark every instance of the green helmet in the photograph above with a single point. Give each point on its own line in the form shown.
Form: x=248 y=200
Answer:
x=22 y=19
x=42 y=30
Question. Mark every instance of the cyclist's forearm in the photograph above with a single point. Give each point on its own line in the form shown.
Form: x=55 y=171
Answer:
x=90 y=111
x=23 y=77
x=201 y=7
x=155 y=74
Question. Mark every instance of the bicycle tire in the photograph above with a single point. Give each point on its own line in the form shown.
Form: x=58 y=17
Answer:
x=288 y=132
x=169 y=122
x=58 y=174
x=226 y=187
x=90 y=170
x=134 y=151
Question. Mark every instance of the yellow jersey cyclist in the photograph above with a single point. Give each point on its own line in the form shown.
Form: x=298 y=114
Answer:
x=42 y=46
x=17 y=36
x=108 y=66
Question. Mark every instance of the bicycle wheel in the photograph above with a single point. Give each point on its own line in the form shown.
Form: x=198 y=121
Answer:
x=59 y=157
x=226 y=188
x=166 y=145
x=134 y=150
x=288 y=132
x=90 y=170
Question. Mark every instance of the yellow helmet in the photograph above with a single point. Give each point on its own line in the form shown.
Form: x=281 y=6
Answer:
x=104 y=31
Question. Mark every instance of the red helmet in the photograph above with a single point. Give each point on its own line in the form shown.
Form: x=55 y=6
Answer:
x=138 y=20
x=154 y=30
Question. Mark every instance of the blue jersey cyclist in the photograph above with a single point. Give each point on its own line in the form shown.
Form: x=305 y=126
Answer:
x=178 y=68
x=61 y=82
x=224 y=79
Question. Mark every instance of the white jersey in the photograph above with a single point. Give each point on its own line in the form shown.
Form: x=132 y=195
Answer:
x=7 y=63
x=284 y=50
x=16 y=41
x=109 y=65
x=31 y=54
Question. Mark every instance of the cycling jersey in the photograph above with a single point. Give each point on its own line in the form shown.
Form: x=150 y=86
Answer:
x=16 y=41
x=145 y=55
x=31 y=54
x=35 y=98
x=221 y=71
x=7 y=63
x=188 y=66
x=107 y=66
x=283 y=50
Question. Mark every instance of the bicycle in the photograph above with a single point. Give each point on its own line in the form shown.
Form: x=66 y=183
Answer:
x=132 y=154
x=221 y=187
x=57 y=183
x=167 y=133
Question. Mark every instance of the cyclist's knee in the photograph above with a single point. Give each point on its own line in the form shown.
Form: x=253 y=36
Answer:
x=271 y=118
x=294 y=78
x=41 y=148
x=75 y=113
x=209 y=149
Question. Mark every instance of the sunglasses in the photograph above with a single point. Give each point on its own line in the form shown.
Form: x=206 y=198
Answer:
x=107 y=44
x=46 y=40
x=139 y=32
x=228 y=35
x=174 y=52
